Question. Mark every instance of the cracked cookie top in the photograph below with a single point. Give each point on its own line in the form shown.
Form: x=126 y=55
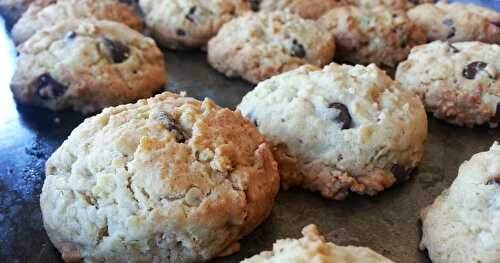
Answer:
x=45 y=13
x=458 y=82
x=87 y=65
x=339 y=129
x=379 y=35
x=310 y=9
x=457 y=22
x=396 y=4
x=313 y=247
x=257 y=46
x=168 y=179
x=184 y=24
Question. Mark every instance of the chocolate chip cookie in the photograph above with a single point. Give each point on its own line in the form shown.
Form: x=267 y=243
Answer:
x=313 y=247
x=42 y=14
x=183 y=24
x=260 y=45
x=310 y=9
x=167 y=179
x=457 y=22
x=457 y=82
x=463 y=223
x=87 y=65
x=379 y=35
x=396 y=4
x=340 y=128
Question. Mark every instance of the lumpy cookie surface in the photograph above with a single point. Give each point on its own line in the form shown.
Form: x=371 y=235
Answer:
x=379 y=35
x=313 y=247
x=260 y=45
x=310 y=9
x=457 y=22
x=86 y=65
x=457 y=82
x=185 y=24
x=463 y=223
x=339 y=129
x=168 y=179
x=46 y=13
x=396 y=4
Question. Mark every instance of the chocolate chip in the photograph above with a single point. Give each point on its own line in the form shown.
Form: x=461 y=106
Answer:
x=116 y=50
x=48 y=88
x=401 y=173
x=448 y=22
x=170 y=125
x=403 y=42
x=470 y=71
x=191 y=14
x=70 y=35
x=496 y=23
x=298 y=49
x=343 y=117
x=451 y=31
x=453 y=48
x=180 y=32
x=493 y=180
x=497 y=114
x=255 y=5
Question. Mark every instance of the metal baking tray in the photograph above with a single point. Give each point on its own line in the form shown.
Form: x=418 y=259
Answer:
x=388 y=223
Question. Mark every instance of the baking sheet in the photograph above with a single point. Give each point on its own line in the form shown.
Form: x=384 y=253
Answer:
x=388 y=223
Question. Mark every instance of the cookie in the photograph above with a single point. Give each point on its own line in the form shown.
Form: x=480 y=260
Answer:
x=43 y=14
x=12 y=10
x=87 y=65
x=260 y=45
x=463 y=223
x=184 y=24
x=396 y=4
x=309 y=9
x=457 y=82
x=490 y=14
x=457 y=22
x=339 y=129
x=379 y=35
x=313 y=247
x=168 y=179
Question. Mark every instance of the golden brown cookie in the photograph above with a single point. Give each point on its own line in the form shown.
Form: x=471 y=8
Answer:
x=167 y=179
x=86 y=65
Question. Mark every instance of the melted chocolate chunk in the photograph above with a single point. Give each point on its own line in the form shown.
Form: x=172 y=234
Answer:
x=70 y=35
x=255 y=5
x=298 y=49
x=470 y=71
x=494 y=180
x=48 y=88
x=402 y=174
x=497 y=114
x=116 y=50
x=451 y=27
x=180 y=32
x=453 y=48
x=344 y=118
x=191 y=14
x=170 y=125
